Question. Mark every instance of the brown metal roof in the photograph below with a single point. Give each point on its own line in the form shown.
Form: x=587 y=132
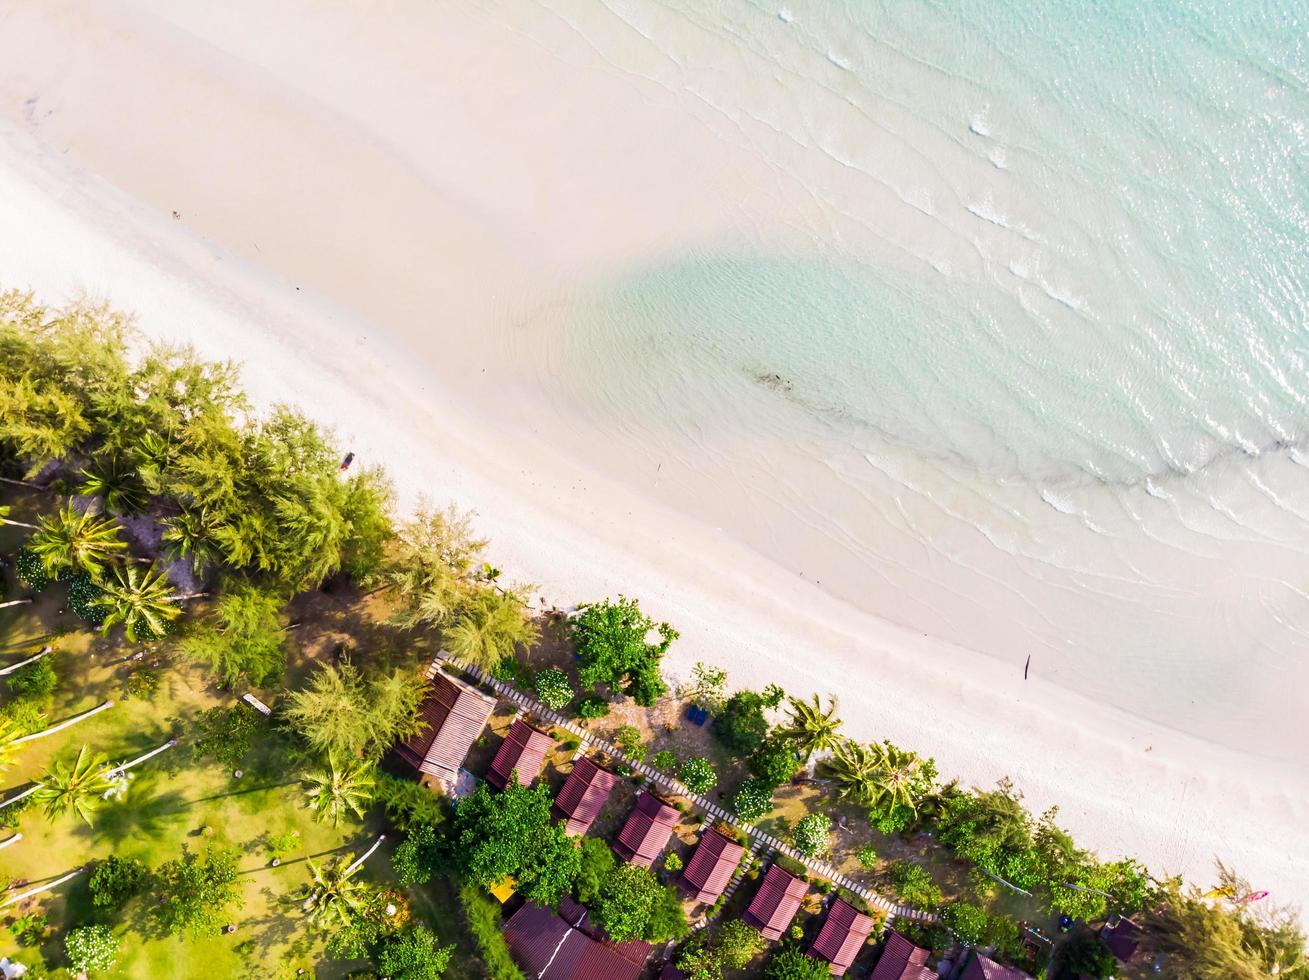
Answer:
x=583 y=795
x=776 y=902
x=902 y=960
x=711 y=867
x=564 y=946
x=647 y=830
x=454 y=716
x=842 y=937
x=523 y=751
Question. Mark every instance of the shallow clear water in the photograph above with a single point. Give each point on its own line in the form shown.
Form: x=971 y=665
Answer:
x=1027 y=344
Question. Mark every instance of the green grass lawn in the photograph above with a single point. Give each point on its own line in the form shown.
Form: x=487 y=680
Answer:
x=176 y=800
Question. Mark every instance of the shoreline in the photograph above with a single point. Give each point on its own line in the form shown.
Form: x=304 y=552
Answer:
x=1170 y=800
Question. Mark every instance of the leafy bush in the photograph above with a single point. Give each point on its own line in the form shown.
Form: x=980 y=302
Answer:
x=741 y=725
x=414 y=954
x=664 y=760
x=914 y=884
x=752 y=801
x=91 y=948
x=408 y=804
x=631 y=904
x=597 y=861
x=1085 y=955
x=631 y=742
x=29 y=929
x=225 y=734
x=83 y=599
x=672 y=862
x=195 y=890
x=610 y=638
x=115 y=881
x=867 y=856
x=35 y=682
x=483 y=915
x=791 y=963
x=812 y=834
x=592 y=706
x=966 y=921
x=698 y=776
x=284 y=843
x=417 y=857
x=553 y=689
x=31 y=570
x=142 y=684
x=773 y=762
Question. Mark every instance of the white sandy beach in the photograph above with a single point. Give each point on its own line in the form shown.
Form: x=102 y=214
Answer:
x=374 y=214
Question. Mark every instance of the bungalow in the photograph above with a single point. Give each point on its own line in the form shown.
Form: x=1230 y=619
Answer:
x=583 y=795
x=1122 y=938
x=647 y=830
x=522 y=752
x=453 y=716
x=984 y=968
x=776 y=903
x=706 y=876
x=844 y=932
x=565 y=946
x=902 y=960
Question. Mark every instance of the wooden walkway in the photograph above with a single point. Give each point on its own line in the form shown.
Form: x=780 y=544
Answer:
x=757 y=837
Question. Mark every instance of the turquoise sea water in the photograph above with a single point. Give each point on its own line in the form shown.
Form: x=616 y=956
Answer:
x=1028 y=344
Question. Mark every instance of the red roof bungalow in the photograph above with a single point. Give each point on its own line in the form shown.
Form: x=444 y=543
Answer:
x=647 y=830
x=902 y=960
x=583 y=795
x=565 y=946
x=844 y=932
x=522 y=751
x=776 y=902
x=711 y=867
x=984 y=968
x=454 y=716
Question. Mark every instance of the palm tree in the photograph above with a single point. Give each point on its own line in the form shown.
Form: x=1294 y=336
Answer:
x=142 y=601
x=115 y=484
x=76 y=541
x=9 y=736
x=854 y=768
x=336 y=898
x=6 y=519
x=812 y=729
x=78 y=787
x=338 y=790
x=896 y=779
x=490 y=626
x=190 y=535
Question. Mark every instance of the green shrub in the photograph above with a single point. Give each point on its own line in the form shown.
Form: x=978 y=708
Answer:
x=966 y=921
x=698 y=776
x=914 y=884
x=142 y=684
x=31 y=570
x=408 y=804
x=741 y=725
x=553 y=689
x=812 y=834
x=664 y=760
x=414 y=954
x=597 y=861
x=752 y=801
x=773 y=762
x=30 y=929
x=483 y=915
x=82 y=599
x=35 y=682
x=631 y=742
x=672 y=862
x=867 y=856
x=791 y=963
x=284 y=843
x=592 y=706
x=91 y=948
x=569 y=744
x=225 y=734
x=417 y=857
x=115 y=881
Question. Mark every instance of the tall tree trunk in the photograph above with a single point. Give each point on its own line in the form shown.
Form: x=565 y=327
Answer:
x=14 y=602
x=23 y=663
x=367 y=854
x=10 y=840
x=40 y=888
x=64 y=724
x=21 y=796
x=10 y=522
x=144 y=758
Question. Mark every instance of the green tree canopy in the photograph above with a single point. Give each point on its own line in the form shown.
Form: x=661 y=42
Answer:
x=790 y=963
x=810 y=728
x=91 y=948
x=496 y=835
x=242 y=638
x=342 y=712
x=414 y=954
x=773 y=762
x=194 y=892
x=431 y=567
x=631 y=904
x=488 y=626
x=741 y=725
x=613 y=642
x=72 y=541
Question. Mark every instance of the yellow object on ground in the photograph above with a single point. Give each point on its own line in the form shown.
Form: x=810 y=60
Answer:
x=504 y=890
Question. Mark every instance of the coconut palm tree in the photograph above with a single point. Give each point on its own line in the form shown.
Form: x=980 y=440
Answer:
x=74 y=541
x=335 y=897
x=854 y=769
x=142 y=601
x=9 y=736
x=811 y=728
x=116 y=484
x=338 y=790
x=896 y=780
x=489 y=627
x=190 y=536
x=78 y=787
x=6 y=519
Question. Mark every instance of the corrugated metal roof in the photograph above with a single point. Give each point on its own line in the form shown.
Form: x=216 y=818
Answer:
x=549 y=946
x=583 y=795
x=984 y=968
x=711 y=866
x=776 y=902
x=455 y=715
x=842 y=937
x=902 y=960
x=647 y=830
x=523 y=750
